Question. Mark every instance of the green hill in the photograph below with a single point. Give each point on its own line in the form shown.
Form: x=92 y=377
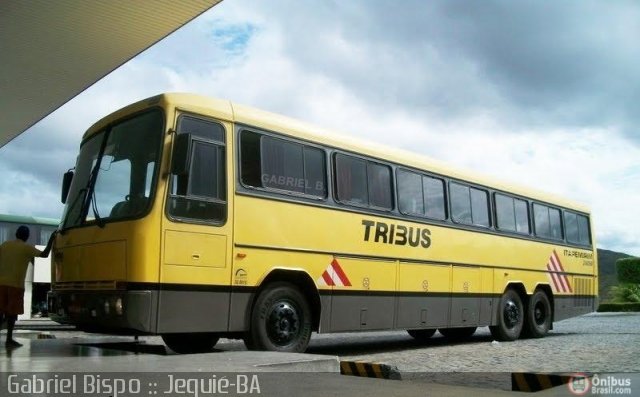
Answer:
x=607 y=269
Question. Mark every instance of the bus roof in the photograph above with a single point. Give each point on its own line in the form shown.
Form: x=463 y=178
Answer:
x=226 y=110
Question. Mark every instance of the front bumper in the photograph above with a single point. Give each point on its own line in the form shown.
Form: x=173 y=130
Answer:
x=126 y=312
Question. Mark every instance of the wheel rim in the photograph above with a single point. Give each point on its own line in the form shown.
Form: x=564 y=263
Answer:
x=511 y=314
x=540 y=313
x=283 y=323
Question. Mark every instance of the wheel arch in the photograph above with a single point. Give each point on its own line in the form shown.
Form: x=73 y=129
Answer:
x=520 y=290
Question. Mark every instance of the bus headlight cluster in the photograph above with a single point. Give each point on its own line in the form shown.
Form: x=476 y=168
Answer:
x=119 y=307
x=114 y=305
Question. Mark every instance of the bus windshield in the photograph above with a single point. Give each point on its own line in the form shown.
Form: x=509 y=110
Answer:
x=115 y=172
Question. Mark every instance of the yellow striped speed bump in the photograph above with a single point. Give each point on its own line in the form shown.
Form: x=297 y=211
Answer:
x=46 y=336
x=532 y=382
x=369 y=370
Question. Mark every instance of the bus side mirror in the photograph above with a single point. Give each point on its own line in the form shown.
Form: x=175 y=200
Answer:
x=180 y=157
x=66 y=184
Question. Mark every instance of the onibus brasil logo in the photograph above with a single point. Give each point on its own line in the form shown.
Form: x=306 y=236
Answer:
x=581 y=384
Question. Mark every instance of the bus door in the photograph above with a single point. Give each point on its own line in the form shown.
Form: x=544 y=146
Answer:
x=195 y=265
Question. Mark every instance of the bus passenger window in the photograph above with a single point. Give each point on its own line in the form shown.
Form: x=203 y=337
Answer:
x=547 y=222
x=421 y=195
x=363 y=183
x=555 y=223
x=379 y=183
x=522 y=217
x=460 y=203
x=410 y=193
x=541 y=220
x=571 y=227
x=512 y=214
x=577 y=228
x=505 y=214
x=315 y=172
x=434 y=197
x=282 y=165
x=583 y=230
x=351 y=174
x=469 y=205
x=479 y=207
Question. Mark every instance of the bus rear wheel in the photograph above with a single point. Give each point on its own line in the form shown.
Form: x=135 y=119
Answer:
x=510 y=317
x=457 y=333
x=280 y=320
x=538 y=319
x=421 y=334
x=185 y=343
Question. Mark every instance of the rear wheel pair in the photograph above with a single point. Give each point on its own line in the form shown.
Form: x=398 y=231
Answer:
x=514 y=319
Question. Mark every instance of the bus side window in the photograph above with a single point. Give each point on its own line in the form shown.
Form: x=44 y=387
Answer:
x=547 y=222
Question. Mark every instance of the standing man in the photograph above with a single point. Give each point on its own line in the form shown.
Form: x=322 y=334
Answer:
x=15 y=256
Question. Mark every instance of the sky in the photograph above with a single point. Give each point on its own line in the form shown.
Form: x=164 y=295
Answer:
x=542 y=94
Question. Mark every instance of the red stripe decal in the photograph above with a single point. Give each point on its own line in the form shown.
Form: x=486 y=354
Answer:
x=554 y=265
x=561 y=277
x=343 y=277
x=565 y=278
x=555 y=255
x=553 y=277
x=327 y=278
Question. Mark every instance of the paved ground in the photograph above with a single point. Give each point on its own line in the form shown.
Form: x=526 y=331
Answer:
x=596 y=343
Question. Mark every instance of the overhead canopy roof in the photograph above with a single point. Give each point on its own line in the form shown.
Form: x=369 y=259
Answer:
x=50 y=51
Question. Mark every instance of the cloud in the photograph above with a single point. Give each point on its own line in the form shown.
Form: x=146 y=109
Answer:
x=540 y=94
x=528 y=63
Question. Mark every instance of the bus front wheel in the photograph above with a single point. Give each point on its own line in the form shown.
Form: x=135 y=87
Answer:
x=185 y=343
x=538 y=320
x=280 y=320
x=510 y=317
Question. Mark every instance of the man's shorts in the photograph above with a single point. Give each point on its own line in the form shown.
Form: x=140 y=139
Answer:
x=11 y=300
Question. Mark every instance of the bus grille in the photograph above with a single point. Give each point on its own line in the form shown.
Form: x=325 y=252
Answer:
x=85 y=285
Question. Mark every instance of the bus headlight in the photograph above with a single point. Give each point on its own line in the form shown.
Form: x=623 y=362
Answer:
x=119 y=307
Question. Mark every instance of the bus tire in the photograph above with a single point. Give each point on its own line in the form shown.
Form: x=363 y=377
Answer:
x=457 y=333
x=537 y=321
x=281 y=320
x=510 y=317
x=421 y=334
x=185 y=343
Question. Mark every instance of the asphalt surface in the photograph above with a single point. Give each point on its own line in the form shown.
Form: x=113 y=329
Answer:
x=594 y=344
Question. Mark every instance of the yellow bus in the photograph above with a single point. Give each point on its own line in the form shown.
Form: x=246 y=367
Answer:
x=197 y=218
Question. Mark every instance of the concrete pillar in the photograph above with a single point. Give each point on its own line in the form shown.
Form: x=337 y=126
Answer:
x=28 y=288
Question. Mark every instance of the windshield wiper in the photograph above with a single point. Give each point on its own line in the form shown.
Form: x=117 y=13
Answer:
x=94 y=207
x=93 y=177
